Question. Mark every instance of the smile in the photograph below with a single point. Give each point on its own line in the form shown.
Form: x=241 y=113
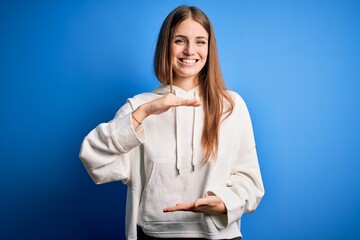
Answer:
x=188 y=61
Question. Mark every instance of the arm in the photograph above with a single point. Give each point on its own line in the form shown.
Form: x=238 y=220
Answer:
x=243 y=192
x=106 y=150
x=244 y=188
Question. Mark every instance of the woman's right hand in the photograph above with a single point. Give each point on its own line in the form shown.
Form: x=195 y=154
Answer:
x=161 y=105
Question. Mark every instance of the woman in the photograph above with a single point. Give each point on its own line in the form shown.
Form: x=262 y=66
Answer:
x=186 y=151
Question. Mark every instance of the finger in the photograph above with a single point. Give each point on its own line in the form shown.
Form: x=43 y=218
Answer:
x=208 y=210
x=170 y=209
x=185 y=206
x=175 y=101
x=202 y=209
x=189 y=103
x=208 y=201
x=193 y=102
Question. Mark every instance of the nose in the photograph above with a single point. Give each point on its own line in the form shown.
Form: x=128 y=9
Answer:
x=189 y=49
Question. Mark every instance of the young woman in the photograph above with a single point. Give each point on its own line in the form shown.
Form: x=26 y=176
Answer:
x=186 y=151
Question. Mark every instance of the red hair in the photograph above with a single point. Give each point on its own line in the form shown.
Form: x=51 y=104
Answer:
x=211 y=84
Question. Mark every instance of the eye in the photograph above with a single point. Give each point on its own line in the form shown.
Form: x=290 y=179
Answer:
x=201 y=42
x=180 y=41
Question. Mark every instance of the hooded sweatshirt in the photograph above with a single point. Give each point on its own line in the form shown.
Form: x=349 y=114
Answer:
x=161 y=162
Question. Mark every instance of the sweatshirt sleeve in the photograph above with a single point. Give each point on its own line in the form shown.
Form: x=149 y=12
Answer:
x=244 y=188
x=106 y=150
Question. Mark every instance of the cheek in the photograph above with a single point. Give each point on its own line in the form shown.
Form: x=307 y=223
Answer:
x=175 y=50
x=204 y=53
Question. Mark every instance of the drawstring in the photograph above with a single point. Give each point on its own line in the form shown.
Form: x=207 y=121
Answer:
x=177 y=134
x=194 y=153
x=178 y=161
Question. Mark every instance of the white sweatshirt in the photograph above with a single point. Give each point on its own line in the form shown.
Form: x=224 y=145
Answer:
x=161 y=163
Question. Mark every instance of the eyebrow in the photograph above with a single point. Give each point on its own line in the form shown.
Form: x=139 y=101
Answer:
x=183 y=36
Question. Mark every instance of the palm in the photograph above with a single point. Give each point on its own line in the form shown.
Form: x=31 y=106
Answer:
x=164 y=103
x=207 y=205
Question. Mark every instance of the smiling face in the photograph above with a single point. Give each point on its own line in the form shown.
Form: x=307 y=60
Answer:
x=189 y=53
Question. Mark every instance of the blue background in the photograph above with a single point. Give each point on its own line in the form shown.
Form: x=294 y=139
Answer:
x=67 y=66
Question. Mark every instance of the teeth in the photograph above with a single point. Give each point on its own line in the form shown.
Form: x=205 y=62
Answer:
x=189 y=61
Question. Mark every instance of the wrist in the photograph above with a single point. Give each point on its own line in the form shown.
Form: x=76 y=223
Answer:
x=140 y=113
x=144 y=110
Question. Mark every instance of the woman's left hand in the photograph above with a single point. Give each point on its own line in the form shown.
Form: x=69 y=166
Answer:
x=207 y=205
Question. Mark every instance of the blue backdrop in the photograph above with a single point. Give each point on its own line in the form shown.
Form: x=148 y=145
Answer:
x=67 y=66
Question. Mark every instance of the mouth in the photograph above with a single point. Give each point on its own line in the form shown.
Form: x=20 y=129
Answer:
x=188 y=61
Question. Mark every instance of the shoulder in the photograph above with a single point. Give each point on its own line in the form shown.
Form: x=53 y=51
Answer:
x=240 y=111
x=238 y=100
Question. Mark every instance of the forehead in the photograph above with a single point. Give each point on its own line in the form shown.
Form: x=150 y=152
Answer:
x=191 y=28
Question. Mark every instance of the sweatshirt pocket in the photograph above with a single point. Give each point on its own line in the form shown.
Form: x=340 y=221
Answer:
x=164 y=187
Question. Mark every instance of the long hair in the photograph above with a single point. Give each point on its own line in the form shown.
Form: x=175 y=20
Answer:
x=211 y=84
